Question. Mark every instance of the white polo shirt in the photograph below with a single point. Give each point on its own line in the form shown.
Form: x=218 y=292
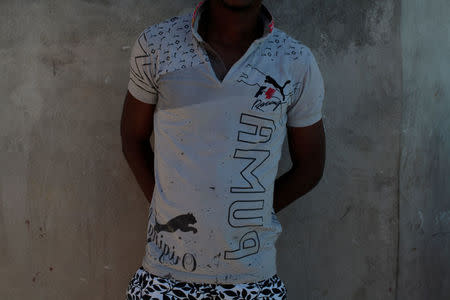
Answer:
x=217 y=147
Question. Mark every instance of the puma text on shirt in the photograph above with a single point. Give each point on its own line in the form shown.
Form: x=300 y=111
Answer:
x=217 y=147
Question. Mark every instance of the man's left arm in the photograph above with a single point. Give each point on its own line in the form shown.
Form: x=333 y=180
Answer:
x=307 y=150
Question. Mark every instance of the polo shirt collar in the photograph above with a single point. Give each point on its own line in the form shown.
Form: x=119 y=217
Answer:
x=265 y=14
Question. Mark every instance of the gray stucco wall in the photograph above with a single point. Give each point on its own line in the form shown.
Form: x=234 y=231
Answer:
x=425 y=156
x=72 y=217
x=339 y=241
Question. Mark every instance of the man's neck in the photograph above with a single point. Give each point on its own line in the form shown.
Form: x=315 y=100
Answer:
x=229 y=27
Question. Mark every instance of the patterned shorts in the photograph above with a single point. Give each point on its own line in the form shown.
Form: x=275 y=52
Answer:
x=146 y=286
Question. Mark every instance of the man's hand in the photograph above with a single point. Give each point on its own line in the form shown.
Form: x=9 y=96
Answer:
x=307 y=149
x=135 y=129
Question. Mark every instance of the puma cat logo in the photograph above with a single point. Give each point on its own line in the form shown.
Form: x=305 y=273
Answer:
x=270 y=89
x=180 y=222
x=280 y=88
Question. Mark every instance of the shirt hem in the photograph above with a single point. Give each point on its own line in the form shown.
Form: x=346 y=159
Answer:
x=204 y=279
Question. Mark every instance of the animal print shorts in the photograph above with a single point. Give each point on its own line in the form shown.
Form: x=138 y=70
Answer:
x=146 y=286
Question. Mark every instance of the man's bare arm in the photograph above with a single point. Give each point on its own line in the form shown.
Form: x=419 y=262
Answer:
x=307 y=149
x=136 y=127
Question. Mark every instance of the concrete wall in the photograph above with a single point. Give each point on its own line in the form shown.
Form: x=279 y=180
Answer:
x=339 y=241
x=425 y=155
x=72 y=217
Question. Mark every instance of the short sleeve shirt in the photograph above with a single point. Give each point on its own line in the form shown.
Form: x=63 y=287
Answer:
x=217 y=147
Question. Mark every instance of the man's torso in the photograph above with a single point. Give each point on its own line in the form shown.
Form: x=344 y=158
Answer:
x=217 y=148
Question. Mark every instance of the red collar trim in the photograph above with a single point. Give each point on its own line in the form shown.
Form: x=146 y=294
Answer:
x=194 y=15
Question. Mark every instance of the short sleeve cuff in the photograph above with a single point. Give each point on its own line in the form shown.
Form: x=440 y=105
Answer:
x=141 y=94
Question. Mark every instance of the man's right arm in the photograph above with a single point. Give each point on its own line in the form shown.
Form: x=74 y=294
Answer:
x=136 y=127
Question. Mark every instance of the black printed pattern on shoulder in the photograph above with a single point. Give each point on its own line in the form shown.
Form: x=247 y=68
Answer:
x=172 y=47
x=279 y=45
x=139 y=71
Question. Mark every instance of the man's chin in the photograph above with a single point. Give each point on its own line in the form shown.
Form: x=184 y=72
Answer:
x=237 y=7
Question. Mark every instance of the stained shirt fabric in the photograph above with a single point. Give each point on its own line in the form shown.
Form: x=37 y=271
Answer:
x=217 y=146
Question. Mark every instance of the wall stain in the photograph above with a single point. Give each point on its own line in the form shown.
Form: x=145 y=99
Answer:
x=42 y=233
x=360 y=294
x=347 y=210
x=35 y=276
x=56 y=60
x=336 y=24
